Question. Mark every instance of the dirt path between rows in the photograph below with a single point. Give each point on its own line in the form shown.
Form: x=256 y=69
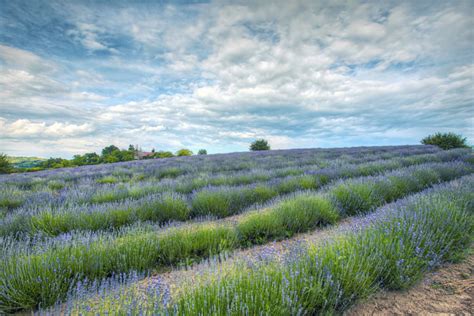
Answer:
x=274 y=251
x=446 y=291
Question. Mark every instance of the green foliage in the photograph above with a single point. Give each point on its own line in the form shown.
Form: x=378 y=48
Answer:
x=109 y=150
x=107 y=180
x=168 y=207
x=142 y=250
x=223 y=202
x=53 y=163
x=45 y=277
x=160 y=209
x=25 y=162
x=303 y=182
x=113 y=154
x=172 y=172
x=292 y=216
x=259 y=144
x=184 y=152
x=202 y=152
x=5 y=165
x=445 y=141
x=355 y=198
x=327 y=279
x=195 y=242
x=86 y=159
x=163 y=154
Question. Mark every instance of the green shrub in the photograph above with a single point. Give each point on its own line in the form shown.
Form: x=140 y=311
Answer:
x=290 y=217
x=195 y=242
x=166 y=208
x=445 y=141
x=304 y=182
x=10 y=202
x=354 y=198
x=107 y=180
x=55 y=185
x=170 y=173
x=5 y=165
x=184 y=152
x=226 y=201
x=207 y=202
x=260 y=227
x=259 y=144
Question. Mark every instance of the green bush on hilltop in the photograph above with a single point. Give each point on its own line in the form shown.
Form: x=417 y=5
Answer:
x=445 y=141
x=5 y=165
x=259 y=144
x=184 y=152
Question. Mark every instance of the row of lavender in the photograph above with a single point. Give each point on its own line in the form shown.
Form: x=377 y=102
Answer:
x=390 y=249
x=64 y=213
x=215 y=163
x=228 y=169
x=40 y=273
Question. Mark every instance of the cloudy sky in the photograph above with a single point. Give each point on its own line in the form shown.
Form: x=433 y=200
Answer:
x=76 y=76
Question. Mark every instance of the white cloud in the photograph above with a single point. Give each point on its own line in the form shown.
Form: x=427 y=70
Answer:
x=21 y=59
x=301 y=73
x=86 y=96
x=88 y=35
x=24 y=128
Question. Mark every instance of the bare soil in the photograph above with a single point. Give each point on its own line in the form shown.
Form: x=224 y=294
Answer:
x=447 y=291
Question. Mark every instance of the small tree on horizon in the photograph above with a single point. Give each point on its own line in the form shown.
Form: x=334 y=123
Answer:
x=445 y=141
x=109 y=150
x=259 y=144
x=184 y=152
x=202 y=152
x=5 y=165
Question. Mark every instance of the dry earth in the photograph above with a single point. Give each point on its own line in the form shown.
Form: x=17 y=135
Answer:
x=447 y=291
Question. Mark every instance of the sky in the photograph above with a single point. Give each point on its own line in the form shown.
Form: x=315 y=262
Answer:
x=76 y=76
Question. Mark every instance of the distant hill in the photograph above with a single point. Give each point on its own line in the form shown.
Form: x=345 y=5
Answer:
x=25 y=162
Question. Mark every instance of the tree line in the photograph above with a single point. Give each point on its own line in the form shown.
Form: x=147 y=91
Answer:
x=112 y=153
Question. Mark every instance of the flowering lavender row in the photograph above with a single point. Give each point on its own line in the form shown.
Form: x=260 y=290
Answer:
x=219 y=163
x=392 y=254
x=56 y=268
x=65 y=214
x=390 y=249
x=43 y=186
x=343 y=194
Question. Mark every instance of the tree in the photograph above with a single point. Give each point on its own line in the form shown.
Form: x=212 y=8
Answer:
x=5 y=165
x=131 y=148
x=125 y=155
x=91 y=159
x=109 y=150
x=259 y=144
x=163 y=154
x=78 y=160
x=445 y=141
x=202 y=152
x=56 y=163
x=184 y=152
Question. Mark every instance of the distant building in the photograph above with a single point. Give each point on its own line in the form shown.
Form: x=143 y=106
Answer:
x=143 y=154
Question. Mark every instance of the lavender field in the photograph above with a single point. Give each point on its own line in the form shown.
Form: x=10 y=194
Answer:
x=281 y=232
